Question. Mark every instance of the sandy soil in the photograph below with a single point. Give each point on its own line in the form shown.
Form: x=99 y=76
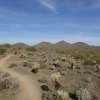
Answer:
x=29 y=89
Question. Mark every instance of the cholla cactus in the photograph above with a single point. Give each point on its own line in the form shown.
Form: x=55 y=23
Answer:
x=63 y=95
x=94 y=62
x=36 y=65
x=55 y=79
x=72 y=62
x=56 y=76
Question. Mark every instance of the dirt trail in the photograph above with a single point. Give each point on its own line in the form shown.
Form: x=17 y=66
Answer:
x=29 y=88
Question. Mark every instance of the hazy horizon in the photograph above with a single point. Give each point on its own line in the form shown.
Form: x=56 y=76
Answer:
x=33 y=21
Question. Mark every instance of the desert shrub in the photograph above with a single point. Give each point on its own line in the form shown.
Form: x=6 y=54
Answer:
x=31 y=49
x=22 y=56
x=12 y=65
x=43 y=65
x=9 y=80
x=43 y=80
x=63 y=95
x=30 y=53
x=27 y=64
x=70 y=89
x=88 y=61
x=80 y=56
x=97 y=59
x=56 y=79
x=2 y=50
x=83 y=94
x=60 y=51
x=7 y=45
x=19 y=47
x=5 y=74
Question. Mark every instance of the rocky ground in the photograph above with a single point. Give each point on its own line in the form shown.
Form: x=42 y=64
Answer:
x=60 y=76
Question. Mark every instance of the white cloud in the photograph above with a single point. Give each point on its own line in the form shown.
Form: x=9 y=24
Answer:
x=49 y=4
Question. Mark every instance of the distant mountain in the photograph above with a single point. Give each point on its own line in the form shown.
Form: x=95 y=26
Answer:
x=20 y=45
x=80 y=44
x=59 y=45
x=44 y=45
x=5 y=45
x=62 y=43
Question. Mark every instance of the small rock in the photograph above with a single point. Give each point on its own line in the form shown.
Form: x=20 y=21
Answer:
x=34 y=70
x=45 y=88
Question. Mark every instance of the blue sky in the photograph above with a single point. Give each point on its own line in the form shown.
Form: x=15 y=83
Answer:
x=33 y=21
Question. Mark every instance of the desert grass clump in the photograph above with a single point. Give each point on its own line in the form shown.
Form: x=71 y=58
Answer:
x=83 y=94
x=56 y=79
x=63 y=95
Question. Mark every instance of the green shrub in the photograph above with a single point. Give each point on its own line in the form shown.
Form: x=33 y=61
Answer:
x=2 y=50
x=88 y=61
x=70 y=89
x=84 y=94
x=31 y=49
x=97 y=60
x=6 y=45
x=79 y=56
x=43 y=65
x=60 y=51
x=30 y=53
